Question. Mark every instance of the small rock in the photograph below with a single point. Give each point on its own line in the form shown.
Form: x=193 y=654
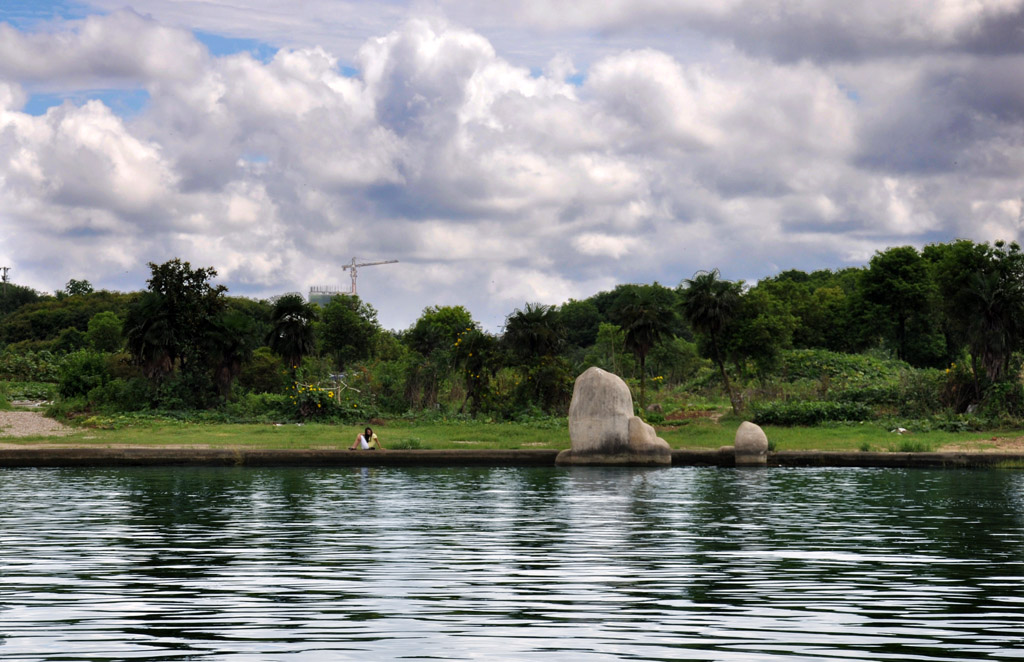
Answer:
x=751 y=445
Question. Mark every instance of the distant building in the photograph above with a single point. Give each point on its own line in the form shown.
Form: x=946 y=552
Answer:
x=322 y=294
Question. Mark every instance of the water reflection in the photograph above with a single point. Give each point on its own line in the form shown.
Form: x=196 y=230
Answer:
x=512 y=564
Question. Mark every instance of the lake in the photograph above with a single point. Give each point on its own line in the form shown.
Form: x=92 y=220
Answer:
x=511 y=564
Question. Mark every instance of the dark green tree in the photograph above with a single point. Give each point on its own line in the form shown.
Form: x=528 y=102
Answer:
x=647 y=315
x=710 y=304
x=13 y=297
x=183 y=302
x=581 y=320
x=898 y=284
x=438 y=327
x=104 y=332
x=231 y=338
x=349 y=330
x=762 y=328
x=534 y=336
x=291 y=333
x=534 y=332
x=75 y=288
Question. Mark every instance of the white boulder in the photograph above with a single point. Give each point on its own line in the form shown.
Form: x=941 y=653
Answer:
x=603 y=429
x=751 y=445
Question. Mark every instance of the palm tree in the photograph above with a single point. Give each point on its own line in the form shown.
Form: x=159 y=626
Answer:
x=534 y=332
x=709 y=304
x=231 y=337
x=646 y=315
x=291 y=334
x=150 y=336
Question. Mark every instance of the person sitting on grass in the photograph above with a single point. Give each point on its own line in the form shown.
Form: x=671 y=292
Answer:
x=365 y=441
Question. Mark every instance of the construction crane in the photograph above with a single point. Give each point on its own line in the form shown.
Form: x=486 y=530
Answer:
x=356 y=263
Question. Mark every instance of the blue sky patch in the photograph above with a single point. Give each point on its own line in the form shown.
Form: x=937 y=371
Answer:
x=220 y=45
x=124 y=103
x=27 y=14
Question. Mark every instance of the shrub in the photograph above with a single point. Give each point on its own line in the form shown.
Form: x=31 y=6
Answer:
x=263 y=373
x=30 y=366
x=1004 y=399
x=121 y=395
x=82 y=371
x=809 y=412
x=261 y=407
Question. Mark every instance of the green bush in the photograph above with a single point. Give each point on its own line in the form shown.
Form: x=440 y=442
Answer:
x=31 y=390
x=121 y=395
x=263 y=373
x=1004 y=399
x=30 y=366
x=809 y=412
x=81 y=372
x=261 y=408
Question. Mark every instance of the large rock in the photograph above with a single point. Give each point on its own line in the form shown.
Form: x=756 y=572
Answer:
x=751 y=446
x=603 y=429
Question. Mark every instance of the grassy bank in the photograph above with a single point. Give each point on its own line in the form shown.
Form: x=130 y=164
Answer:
x=543 y=434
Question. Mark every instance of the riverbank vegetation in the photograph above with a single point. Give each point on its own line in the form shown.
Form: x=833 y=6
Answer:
x=928 y=341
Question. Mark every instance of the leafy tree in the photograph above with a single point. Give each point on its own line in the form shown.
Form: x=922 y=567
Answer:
x=980 y=290
x=710 y=304
x=438 y=327
x=150 y=336
x=349 y=330
x=534 y=335
x=762 y=328
x=231 y=338
x=898 y=284
x=45 y=318
x=263 y=372
x=291 y=333
x=171 y=326
x=69 y=340
x=609 y=350
x=675 y=359
x=104 y=332
x=646 y=314
x=13 y=297
x=989 y=302
x=581 y=320
x=75 y=288
x=476 y=354
x=534 y=332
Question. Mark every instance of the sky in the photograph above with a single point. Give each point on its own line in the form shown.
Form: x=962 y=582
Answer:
x=503 y=153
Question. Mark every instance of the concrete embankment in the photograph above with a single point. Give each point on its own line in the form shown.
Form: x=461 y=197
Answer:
x=71 y=456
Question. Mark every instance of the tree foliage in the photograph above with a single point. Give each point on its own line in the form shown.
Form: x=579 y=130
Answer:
x=291 y=334
x=710 y=304
x=349 y=329
x=646 y=314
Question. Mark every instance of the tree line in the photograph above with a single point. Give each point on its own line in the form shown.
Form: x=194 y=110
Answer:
x=185 y=343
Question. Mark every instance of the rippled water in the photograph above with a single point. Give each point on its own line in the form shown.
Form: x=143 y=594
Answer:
x=511 y=564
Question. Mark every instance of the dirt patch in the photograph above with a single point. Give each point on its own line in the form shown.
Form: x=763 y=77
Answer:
x=690 y=415
x=989 y=445
x=30 y=424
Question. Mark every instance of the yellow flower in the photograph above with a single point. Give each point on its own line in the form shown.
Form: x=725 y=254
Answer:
x=330 y=394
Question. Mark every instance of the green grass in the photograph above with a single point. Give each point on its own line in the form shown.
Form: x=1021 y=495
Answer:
x=545 y=434
x=396 y=434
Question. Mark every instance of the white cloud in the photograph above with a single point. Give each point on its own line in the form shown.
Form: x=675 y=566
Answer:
x=495 y=181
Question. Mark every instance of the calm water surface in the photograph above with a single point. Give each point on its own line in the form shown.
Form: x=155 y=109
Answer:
x=511 y=564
